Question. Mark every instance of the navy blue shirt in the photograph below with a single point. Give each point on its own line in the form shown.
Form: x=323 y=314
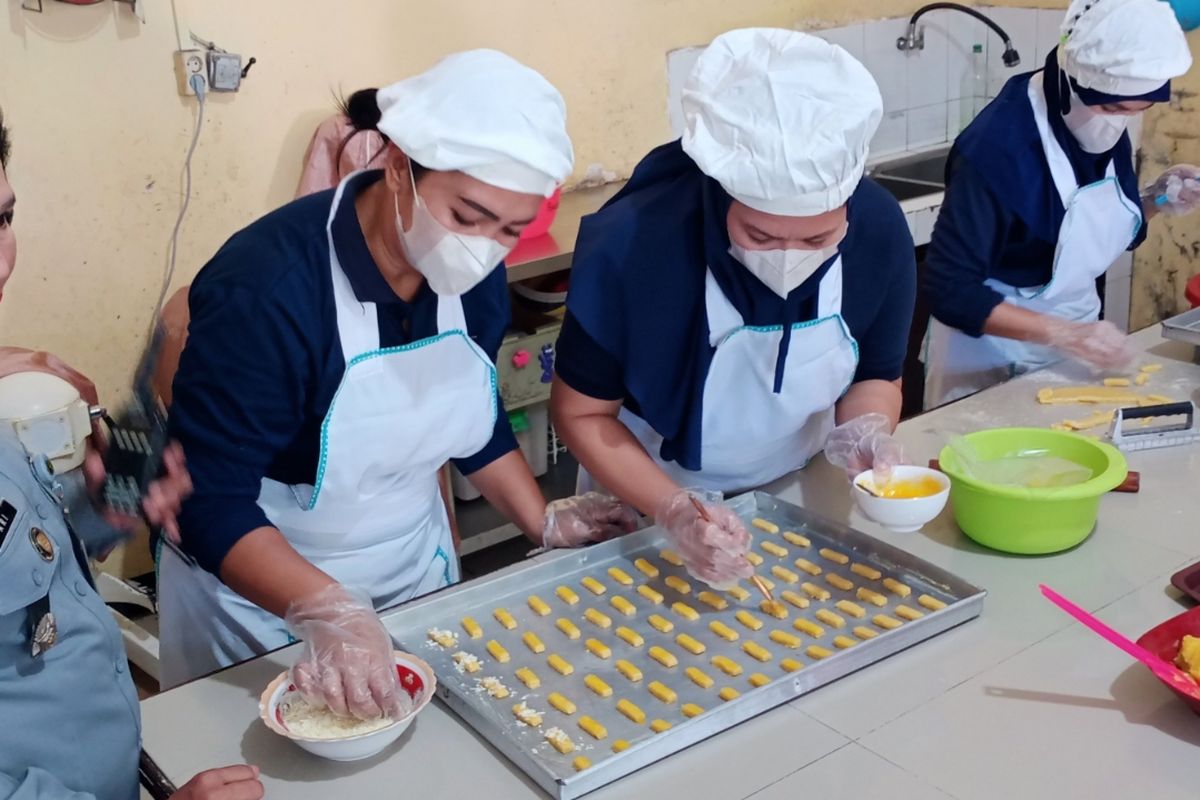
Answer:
x=264 y=359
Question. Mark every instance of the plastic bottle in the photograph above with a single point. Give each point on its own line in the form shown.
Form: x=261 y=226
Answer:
x=973 y=89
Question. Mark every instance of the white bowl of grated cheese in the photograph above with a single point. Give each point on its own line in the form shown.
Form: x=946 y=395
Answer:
x=323 y=733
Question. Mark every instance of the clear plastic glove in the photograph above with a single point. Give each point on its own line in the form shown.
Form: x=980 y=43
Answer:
x=1100 y=345
x=865 y=443
x=348 y=662
x=591 y=517
x=1177 y=190
x=713 y=550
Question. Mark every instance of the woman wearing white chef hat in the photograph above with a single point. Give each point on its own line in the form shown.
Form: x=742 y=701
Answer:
x=1042 y=197
x=744 y=301
x=340 y=351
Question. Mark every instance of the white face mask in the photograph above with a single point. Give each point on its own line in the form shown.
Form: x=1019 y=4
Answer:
x=452 y=263
x=1096 y=133
x=784 y=270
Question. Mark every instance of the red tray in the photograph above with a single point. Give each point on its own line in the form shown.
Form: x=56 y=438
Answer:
x=1164 y=640
x=1187 y=580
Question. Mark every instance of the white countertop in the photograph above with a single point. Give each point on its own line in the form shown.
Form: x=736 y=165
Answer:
x=1020 y=703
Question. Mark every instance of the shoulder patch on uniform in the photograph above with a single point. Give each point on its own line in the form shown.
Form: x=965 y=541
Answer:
x=8 y=513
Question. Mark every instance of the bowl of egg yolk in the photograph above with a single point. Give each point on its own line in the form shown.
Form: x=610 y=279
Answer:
x=910 y=498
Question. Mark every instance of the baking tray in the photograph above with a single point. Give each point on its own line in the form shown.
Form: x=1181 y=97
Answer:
x=1187 y=580
x=1184 y=327
x=510 y=589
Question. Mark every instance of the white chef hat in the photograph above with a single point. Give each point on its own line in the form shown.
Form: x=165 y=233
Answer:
x=781 y=119
x=1122 y=48
x=485 y=114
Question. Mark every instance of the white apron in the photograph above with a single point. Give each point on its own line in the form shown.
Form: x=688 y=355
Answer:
x=374 y=519
x=1099 y=225
x=751 y=435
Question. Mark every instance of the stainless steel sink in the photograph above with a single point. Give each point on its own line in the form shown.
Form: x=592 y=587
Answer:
x=902 y=189
x=926 y=168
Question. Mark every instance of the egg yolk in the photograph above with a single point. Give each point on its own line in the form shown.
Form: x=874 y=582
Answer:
x=908 y=489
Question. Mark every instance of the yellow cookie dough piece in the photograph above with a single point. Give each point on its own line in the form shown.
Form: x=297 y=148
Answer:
x=764 y=525
x=1158 y=398
x=776 y=550
x=784 y=638
x=727 y=665
x=773 y=608
x=932 y=603
x=758 y=679
x=872 y=597
x=831 y=619
x=834 y=556
x=1116 y=381
x=862 y=570
x=569 y=628
x=620 y=576
x=690 y=710
x=646 y=568
x=1086 y=394
x=816 y=651
x=619 y=745
x=729 y=693
x=739 y=593
x=1142 y=379
x=843 y=642
x=630 y=671
x=527 y=715
x=678 y=584
x=498 y=652
x=624 y=606
x=1090 y=421
x=864 y=632
x=593 y=728
x=896 y=587
x=528 y=677
x=1148 y=368
x=598 y=648
x=724 y=631
x=567 y=595
x=663 y=656
x=504 y=618
x=466 y=662
x=699 y=677
x=532 y=641
x=594 y=586
x=853 y=609
x=671 y=557
x=811 y=628
x=886 y=622
x=796 y=539
x=755 y=559
x=560 y=741
x=631 y=712
x=598 y=686
x=749 y=620
x=660 y=624
x=804 y=565
x=907 y=612
x=790 y=665
x=660 y=725
x=648 y=593
x=814 y=591
x=442 y=638
x=597 y=618
x=713 y=600
x=784 y=574
x=691 y=645
x=561 y=703
x=685 y=611
x=560 y=664
x=538 y=606
x=472 y=628
x=756 y=651
x=663 y=693
x=794 y=599
x=838 y=582
x=581 y=763
x=630 y=636
x=494 y=687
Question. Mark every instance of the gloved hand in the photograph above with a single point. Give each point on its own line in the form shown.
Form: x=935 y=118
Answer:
x=591 y=517
x=713 y=551
x=1177 y=190
x=348 y=663
x=1100 y=345
x=865 y=443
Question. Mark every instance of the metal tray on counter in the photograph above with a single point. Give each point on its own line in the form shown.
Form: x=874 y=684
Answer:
x=1184 y=327
x=525 y=745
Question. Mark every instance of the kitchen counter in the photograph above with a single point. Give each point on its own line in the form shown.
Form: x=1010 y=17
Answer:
x=1022 y=702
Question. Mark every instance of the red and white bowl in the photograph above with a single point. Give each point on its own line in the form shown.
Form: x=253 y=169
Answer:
x=416 y=678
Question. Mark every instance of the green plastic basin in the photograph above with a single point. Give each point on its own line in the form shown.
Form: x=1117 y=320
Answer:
x=1031 y=521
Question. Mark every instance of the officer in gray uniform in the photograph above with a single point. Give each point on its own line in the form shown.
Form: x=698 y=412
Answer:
x=69 y=720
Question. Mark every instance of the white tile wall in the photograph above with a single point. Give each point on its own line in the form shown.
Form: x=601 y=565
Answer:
x=926 y=126
x=927 y=67
x=892 y=136
x=851 y=38
x=1049 y=20
x=1021 y=26
x=887 y=63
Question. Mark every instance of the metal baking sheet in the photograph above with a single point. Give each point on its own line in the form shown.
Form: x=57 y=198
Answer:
x=510 y=589
x=1184 y=327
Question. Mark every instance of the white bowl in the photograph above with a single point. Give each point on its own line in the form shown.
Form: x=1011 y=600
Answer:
x=903 y=515
x=415 y=676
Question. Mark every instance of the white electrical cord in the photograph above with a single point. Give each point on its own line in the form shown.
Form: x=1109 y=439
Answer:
x=200 y=88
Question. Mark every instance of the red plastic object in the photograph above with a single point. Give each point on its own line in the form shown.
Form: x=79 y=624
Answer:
x=1164 y=640
x=520 y=359
x=1192 y=291
x=545 y=217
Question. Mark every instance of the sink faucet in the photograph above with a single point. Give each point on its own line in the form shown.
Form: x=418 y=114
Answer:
x=915 y=40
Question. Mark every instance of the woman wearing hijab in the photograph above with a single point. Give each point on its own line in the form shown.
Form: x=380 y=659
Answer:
x=341 y=349
x=745 y=299
x=1042 y=197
